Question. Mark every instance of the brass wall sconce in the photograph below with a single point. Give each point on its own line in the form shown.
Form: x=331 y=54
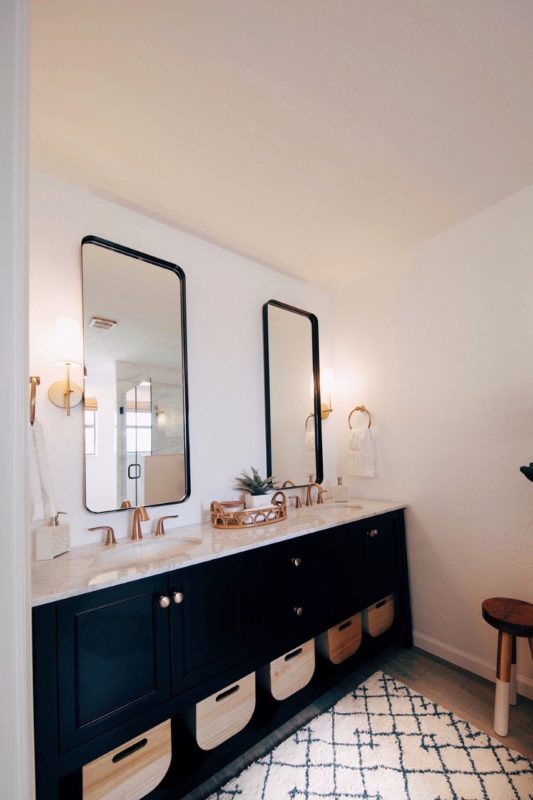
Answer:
x=326 y=389
x=66 y=394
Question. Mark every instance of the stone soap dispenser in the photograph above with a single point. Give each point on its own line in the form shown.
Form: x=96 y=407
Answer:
x=53 y=539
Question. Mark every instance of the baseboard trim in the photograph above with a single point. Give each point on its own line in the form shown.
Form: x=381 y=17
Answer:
x=467 y=661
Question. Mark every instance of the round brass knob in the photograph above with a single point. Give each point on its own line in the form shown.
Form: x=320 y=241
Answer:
x=298 y=610
x=297 y=561
x=178 y=597
x=164 y=601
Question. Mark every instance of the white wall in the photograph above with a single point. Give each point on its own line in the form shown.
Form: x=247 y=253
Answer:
x=16 y=769
x=225 y=294
x=439 y=348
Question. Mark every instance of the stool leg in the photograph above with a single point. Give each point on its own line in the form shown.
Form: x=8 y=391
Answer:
x=512 y=690
x=503 y=677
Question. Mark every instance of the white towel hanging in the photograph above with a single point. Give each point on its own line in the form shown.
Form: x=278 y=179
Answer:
x=36 y=491
x=361 y=453
x=45 y=474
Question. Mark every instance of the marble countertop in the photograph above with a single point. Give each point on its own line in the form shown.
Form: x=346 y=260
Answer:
x=94 y=566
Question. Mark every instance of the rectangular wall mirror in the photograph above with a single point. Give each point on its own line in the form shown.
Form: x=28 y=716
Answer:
x=292 y=395
x=136 y=432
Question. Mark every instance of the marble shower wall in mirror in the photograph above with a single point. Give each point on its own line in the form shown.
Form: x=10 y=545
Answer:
x=136 y=436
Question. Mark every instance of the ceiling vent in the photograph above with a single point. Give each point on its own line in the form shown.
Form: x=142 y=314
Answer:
x=102 y=324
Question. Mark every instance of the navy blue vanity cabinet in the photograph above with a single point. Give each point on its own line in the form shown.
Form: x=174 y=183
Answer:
x=113 y=657
x=112 y=663
x=211 y=619
x=383 y=542
x=292 y=581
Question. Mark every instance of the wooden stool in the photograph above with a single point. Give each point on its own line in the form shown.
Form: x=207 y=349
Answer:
x=511 y=618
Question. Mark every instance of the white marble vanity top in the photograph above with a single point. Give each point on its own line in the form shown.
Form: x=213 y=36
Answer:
x=94 y=566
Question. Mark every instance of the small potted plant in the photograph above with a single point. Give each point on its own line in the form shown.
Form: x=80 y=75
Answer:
x=257 y=490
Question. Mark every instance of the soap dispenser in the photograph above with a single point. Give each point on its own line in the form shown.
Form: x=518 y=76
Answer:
x=53 y=539
x=340 y=492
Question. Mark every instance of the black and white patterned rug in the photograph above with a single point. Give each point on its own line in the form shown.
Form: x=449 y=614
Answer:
x=385 y=742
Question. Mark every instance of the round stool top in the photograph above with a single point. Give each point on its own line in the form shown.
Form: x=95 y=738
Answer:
x=511 y=616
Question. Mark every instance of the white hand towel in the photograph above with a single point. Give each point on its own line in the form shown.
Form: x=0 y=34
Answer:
x=362 y=453
x=36 y=491
x=45 y=474
x=310 y=455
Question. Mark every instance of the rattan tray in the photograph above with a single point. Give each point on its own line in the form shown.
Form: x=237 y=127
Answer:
x=250 y=517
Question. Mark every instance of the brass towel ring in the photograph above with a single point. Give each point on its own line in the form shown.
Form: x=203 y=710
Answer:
x=307 y=420
x=34 y=383
x=363 y=410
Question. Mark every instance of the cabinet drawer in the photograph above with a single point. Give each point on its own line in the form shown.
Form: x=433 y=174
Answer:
x=113 y=658
x=298 y=559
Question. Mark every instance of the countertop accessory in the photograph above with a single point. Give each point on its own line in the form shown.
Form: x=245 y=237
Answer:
x=249 y=518
x=35 y=381
x=511 y=618
x=257 y=490
x=109 y=534
x=53 y=539
x=340 y=492
x=362 y=410
x=160 y=527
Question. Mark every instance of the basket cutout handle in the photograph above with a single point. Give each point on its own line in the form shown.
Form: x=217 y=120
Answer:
x=294 y=654
x=227 y=693
x=129 y=751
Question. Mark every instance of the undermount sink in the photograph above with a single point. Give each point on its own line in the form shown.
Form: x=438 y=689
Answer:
x=147 y=550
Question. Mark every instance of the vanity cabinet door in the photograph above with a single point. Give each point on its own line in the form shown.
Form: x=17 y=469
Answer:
x=211 y=627
x=382 y=555
x=346 y=556
x=113 y=657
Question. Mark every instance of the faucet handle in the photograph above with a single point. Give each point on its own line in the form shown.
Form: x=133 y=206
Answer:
x=297 y=501
x=160 y=527
x=109 y=534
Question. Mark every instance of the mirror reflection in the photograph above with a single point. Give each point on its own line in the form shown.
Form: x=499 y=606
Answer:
x=294 y=443
x=136 y=441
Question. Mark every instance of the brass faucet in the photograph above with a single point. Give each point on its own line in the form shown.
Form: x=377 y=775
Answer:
x=109 y=534
x=139 y=515
x=297 y=501
x=309 y=497
x=160 y=527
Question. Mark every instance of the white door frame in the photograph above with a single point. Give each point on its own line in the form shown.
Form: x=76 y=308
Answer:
x=16 y=740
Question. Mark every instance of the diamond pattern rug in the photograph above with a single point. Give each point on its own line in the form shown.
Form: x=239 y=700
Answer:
x=384 y=741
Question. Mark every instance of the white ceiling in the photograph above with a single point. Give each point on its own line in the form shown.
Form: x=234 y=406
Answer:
x=320 y=137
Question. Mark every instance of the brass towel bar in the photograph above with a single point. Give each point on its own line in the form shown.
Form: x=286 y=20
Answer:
x=363 y=410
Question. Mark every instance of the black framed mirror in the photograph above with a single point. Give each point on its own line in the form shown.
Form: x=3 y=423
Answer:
x=135 y=356
x=292 y=395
